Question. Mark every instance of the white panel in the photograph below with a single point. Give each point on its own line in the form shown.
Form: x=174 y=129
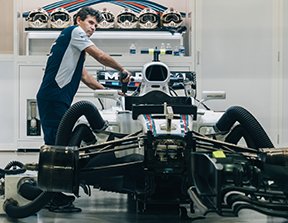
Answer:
x=8 y=109
x=237 y=55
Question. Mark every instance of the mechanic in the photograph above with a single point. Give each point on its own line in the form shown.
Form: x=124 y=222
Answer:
x=65 y=69
x=63 y=73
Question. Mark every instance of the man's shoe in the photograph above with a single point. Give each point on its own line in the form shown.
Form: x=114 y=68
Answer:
x=62 y=203
x=64 y=209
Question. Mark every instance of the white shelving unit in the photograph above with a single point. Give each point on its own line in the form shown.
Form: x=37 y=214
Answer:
x=38 y=41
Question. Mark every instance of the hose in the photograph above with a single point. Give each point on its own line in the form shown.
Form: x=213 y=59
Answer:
x=237 y=133
x=248 y=122
x=29 y=190
x=8 y=171
x=69 y=119
x=12 y=209
x=14 y=164
x=81 y=132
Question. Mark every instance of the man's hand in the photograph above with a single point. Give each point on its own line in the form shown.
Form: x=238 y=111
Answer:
x=124 y=78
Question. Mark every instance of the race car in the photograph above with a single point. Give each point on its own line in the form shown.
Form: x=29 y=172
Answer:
x=163 y=150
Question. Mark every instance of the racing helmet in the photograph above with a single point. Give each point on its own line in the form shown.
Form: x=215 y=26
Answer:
x=148 y=19
x=60 y=18
x=171 y=18
x=108 y=19
x=127 y=19
x=38 y=18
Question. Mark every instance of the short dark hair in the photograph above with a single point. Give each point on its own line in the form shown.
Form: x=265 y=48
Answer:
x=85 y=11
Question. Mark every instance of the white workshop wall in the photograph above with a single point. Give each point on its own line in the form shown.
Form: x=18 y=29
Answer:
x=237 y=54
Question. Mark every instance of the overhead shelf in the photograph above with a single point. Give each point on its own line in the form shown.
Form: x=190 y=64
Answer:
x=35 y=34
x=38 y=41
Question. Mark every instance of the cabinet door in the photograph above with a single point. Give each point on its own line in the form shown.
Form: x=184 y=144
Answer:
x=284 y=93
x=236 y=55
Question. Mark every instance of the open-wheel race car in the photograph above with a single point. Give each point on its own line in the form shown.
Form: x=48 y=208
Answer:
x=164 y=150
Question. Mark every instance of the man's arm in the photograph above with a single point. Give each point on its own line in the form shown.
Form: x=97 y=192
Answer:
x=103 y=58
x=107 y=60
x=90 y=81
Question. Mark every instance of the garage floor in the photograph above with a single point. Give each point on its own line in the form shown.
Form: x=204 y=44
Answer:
x=111 y=207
